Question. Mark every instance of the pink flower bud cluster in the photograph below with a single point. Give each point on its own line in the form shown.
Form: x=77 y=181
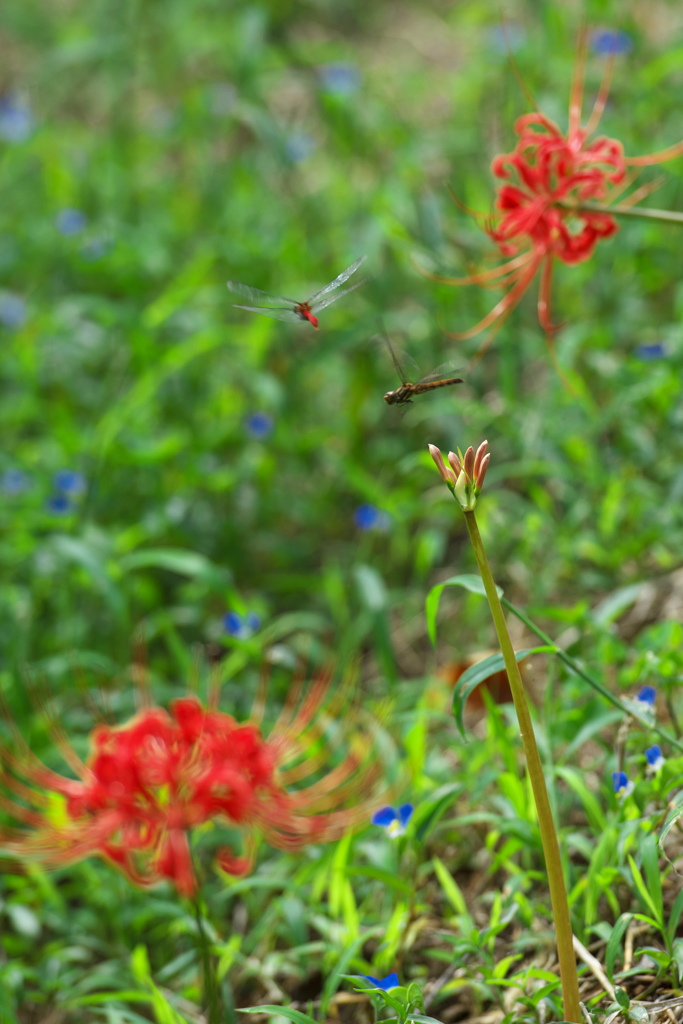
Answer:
x=465 y=473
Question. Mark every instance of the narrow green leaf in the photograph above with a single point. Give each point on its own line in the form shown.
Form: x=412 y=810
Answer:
x=652 y=875
x=468 y=581
x=642 y=888
x=594 y=813
x=282 y=1011
x=368 y=871
x=449 y=886
x=476 y=674
x=675 y=915
x=614 y=944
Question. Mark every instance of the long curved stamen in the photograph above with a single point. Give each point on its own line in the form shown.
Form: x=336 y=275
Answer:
x=506 y=304
x=601 y=99
x=485 y=275
x=643 y=192
x=576 y=91
x=656 y=158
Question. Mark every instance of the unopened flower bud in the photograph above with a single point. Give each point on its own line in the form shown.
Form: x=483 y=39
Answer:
x=466 y=474
x=481 y=472
x=455 y=463
x=478 y=458
x=447 y=475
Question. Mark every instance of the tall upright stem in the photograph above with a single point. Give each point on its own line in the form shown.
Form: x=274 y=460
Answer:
x=551 y=849
x=209 y=981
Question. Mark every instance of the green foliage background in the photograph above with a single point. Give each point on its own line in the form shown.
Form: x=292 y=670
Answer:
x=175 y=127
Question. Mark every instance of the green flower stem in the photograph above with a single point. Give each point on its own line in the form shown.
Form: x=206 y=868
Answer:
x=551 y=849
x=669 y=216
x=211 y=992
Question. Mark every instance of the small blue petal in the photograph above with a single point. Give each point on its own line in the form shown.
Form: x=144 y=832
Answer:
x=391 y=981
x=70 y=221
x=369 y=977
x=59 y=505
x=405 y=813
x=13 y=481
x=70 y=481
x=16 y=120
x=366 y=516
x=259 y=425
x=611 y=41
x=252 y=622
x=339 y=79
x=647 y=695
x=384 y=817
x=619 y=781
x=648 y=353
x=654 y=754
x=12 y=310
x=232 y=623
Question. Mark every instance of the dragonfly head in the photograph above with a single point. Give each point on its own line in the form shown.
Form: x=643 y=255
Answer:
x=390 y=397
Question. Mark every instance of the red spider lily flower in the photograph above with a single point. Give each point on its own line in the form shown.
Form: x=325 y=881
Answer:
x=148 y=782
x=540 y=212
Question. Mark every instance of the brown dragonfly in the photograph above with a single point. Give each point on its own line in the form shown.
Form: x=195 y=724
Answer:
x=406 y=366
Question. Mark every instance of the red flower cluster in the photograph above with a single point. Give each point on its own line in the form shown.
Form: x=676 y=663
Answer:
x=541 y=215
x=150 y=781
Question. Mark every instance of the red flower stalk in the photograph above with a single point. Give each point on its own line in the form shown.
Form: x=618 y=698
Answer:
x=541 y=216
x=148 y=782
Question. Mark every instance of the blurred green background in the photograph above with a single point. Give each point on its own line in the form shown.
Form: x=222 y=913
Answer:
x=167 y=461
x=152 y=151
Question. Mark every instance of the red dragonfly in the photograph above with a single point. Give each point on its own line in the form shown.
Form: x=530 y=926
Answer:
x=281 y=308
x=404 y=365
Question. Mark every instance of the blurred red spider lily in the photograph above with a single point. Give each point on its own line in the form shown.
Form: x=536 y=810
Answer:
x=148 y=782
x=540 y=210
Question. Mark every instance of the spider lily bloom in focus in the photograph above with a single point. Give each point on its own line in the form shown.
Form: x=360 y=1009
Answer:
x=541 y=213
x=393 y=820
x=150 y=781
x=621 y=785
x=465 y=474
x=654 y=758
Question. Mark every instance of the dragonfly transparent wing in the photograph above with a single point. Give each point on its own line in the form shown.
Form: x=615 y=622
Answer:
x=245 y=291
x=329 y=299
x=344 y=276
x=405 y=366
x=450 y=369
x=287 y=315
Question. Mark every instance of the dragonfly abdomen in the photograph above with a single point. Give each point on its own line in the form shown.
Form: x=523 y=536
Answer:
x=429 y=385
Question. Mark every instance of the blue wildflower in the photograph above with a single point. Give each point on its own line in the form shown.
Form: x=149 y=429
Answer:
x=12 y=310
x=391 y=981
x=13 y=481
x=16 y=119
x=393 y=820
x=650 y=352
x=647 y=697
x=59 y=505
x=241 y=626
x=622 y=786
x=300 y=146
x=259 y=425
x=607 y=42
x=654 y=757
x=369 y=517
x=339 y=79
x=70 y=481
x=71 y=222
